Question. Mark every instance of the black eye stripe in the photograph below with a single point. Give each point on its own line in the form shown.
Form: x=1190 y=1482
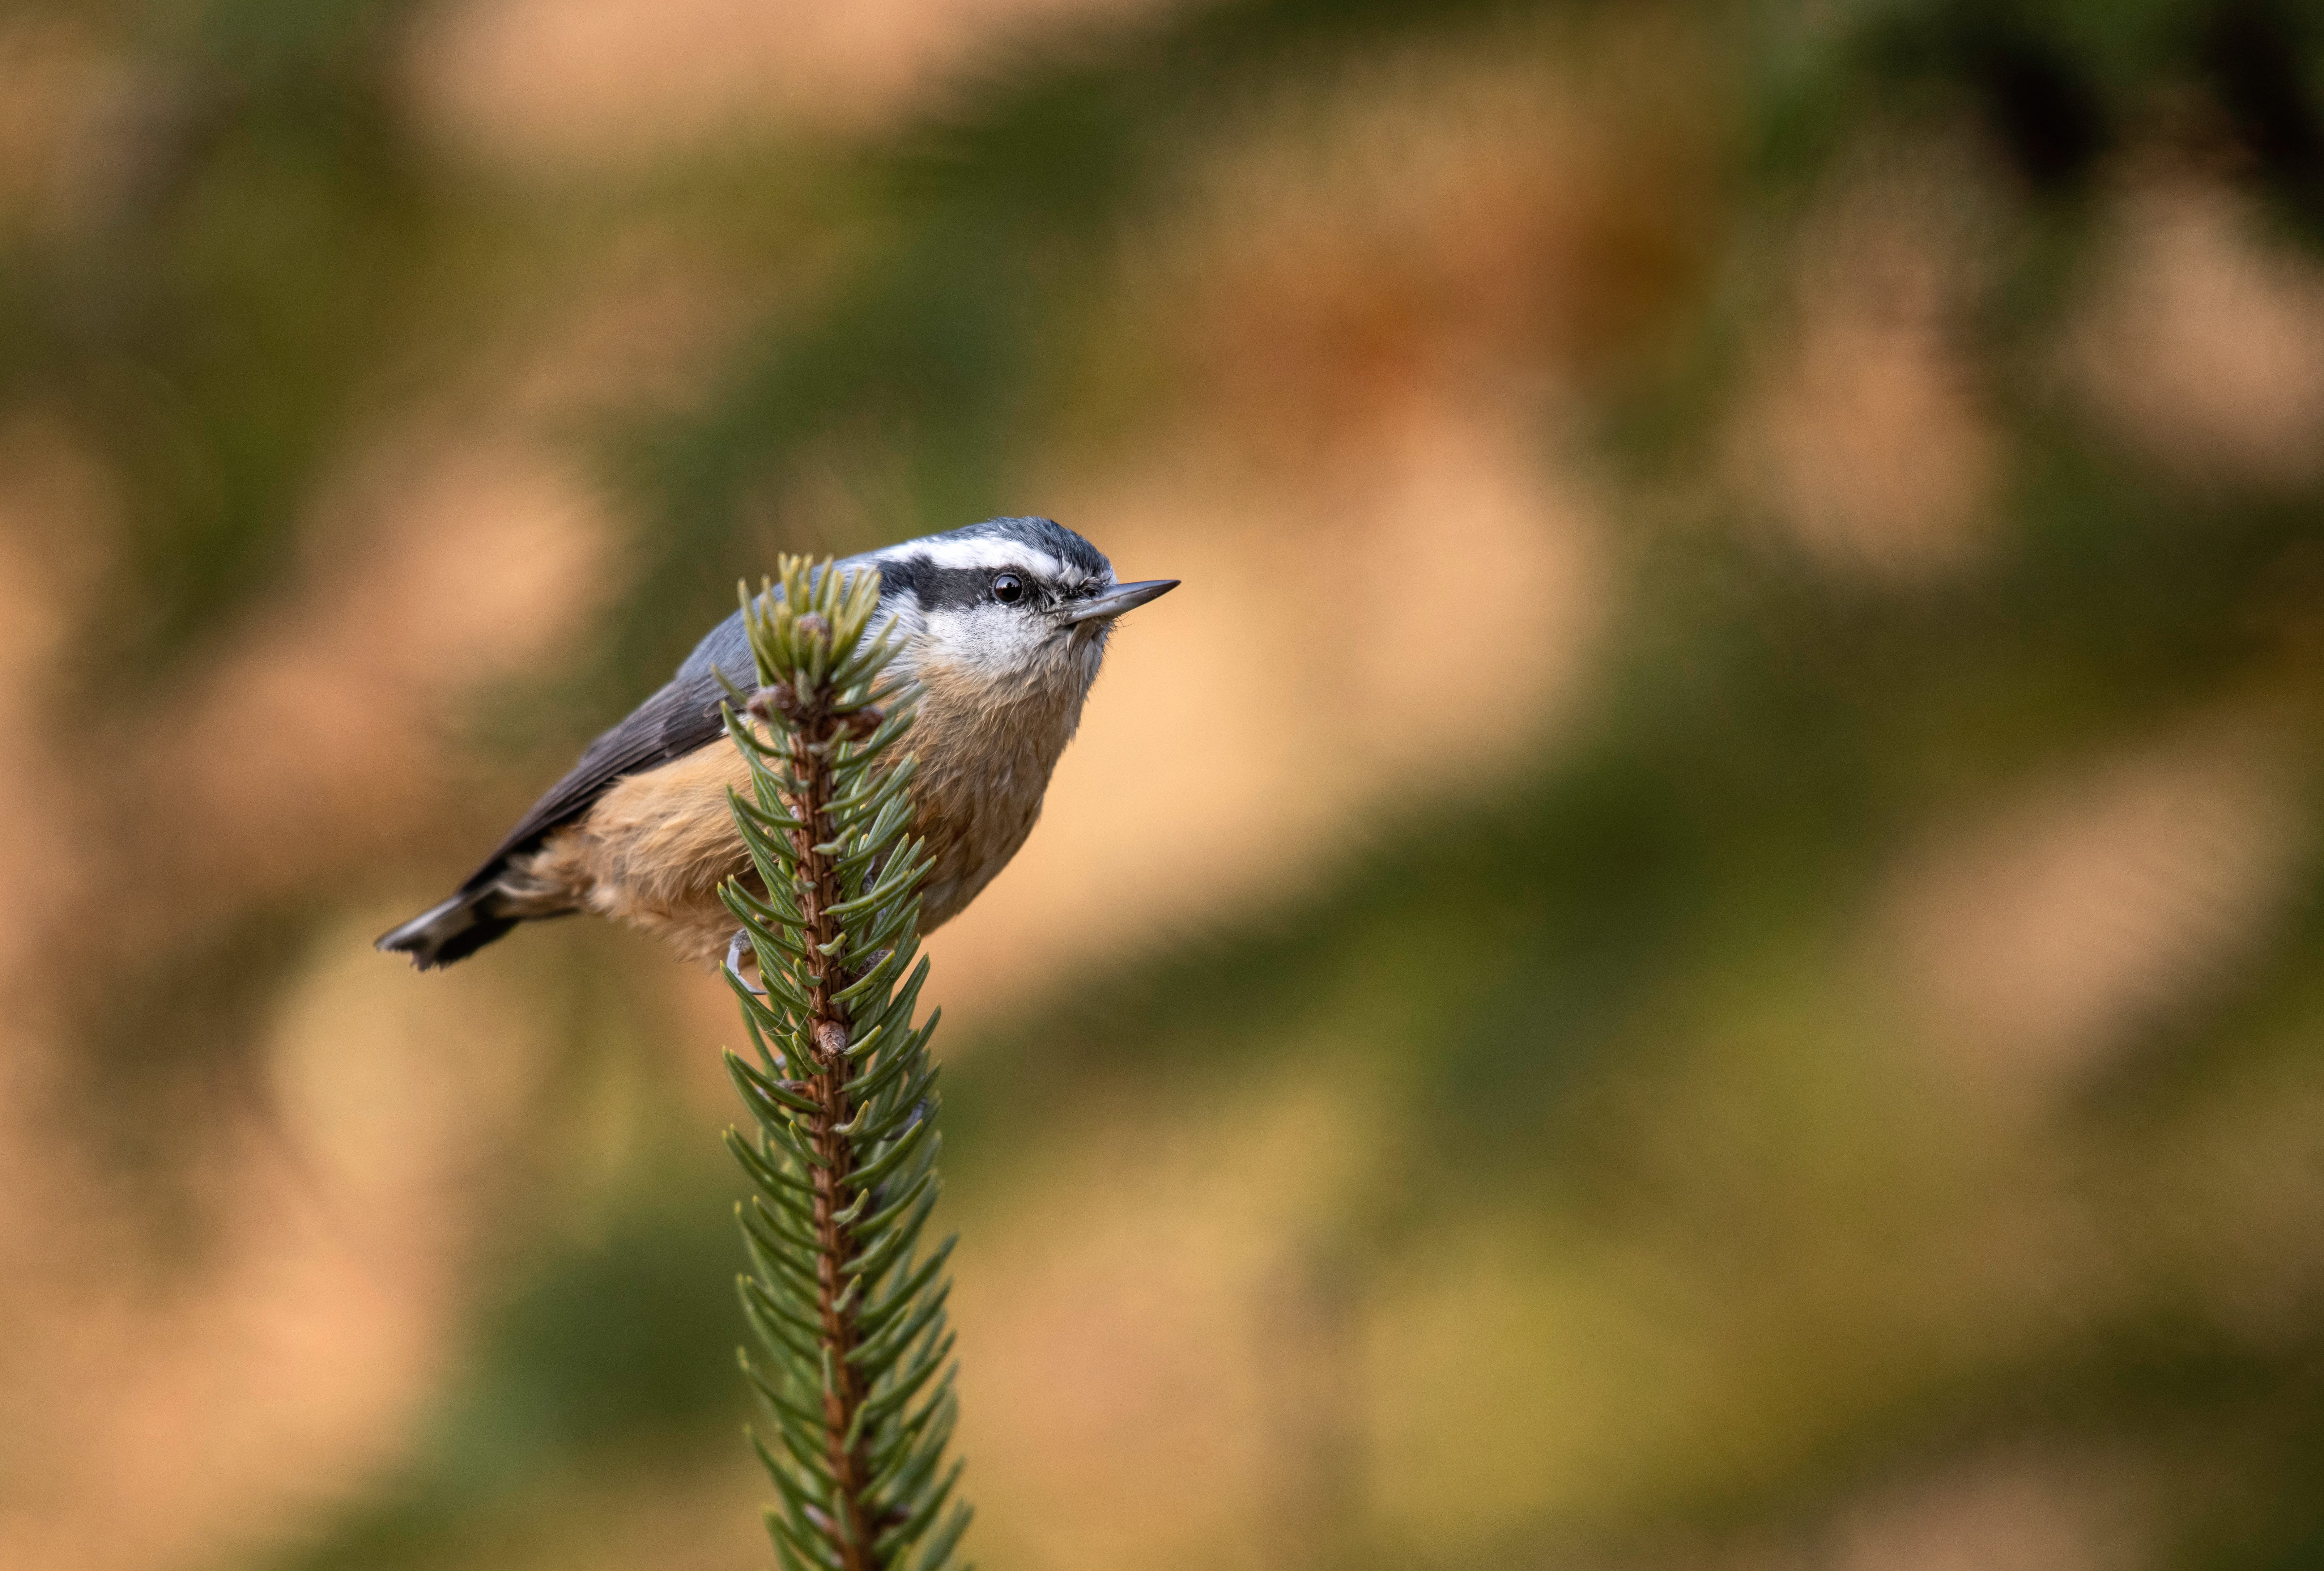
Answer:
x=935 y=588
x=951 y=588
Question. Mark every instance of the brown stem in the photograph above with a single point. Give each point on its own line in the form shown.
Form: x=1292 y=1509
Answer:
x=826 y=1077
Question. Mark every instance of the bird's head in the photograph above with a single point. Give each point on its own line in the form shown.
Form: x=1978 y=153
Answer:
x=1011 y=606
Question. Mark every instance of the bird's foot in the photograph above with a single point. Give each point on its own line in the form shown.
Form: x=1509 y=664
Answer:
x=735 y=963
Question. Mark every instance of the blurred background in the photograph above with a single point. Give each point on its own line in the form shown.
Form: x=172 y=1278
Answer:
x=1695 y=944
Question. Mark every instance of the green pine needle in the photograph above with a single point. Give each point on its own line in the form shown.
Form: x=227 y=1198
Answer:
x=853 y=1369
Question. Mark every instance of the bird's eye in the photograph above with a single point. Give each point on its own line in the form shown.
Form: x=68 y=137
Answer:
x=1007 y=588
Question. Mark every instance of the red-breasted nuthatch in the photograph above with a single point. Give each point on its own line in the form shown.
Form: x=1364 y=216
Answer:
x=1005 y=622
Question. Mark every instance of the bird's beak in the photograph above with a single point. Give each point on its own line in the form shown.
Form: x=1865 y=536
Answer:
x=1122 y=597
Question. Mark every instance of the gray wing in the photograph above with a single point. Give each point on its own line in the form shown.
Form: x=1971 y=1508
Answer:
x=676 y=720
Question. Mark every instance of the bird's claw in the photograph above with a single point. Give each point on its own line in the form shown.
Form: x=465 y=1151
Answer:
x=735 y=963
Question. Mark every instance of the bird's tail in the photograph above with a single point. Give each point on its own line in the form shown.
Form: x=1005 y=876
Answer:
x=453 y=930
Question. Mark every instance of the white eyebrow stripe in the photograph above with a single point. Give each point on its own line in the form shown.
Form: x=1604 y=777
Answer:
x=989 y=552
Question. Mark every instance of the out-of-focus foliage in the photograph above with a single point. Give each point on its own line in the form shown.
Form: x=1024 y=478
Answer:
x=1838 y=1083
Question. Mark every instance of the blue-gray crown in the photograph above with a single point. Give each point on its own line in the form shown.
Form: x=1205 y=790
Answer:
x=1044 y=535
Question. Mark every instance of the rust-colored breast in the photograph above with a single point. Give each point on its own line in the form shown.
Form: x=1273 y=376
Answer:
x=655 y=848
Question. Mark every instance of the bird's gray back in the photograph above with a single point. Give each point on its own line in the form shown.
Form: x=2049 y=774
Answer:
x=680 y=717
